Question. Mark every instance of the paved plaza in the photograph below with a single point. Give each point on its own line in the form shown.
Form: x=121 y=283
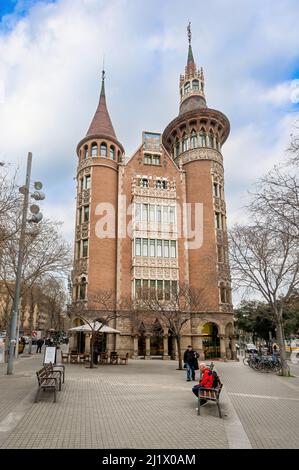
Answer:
x=147 y=405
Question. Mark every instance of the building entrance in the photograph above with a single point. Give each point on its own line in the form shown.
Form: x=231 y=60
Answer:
x=211 y=341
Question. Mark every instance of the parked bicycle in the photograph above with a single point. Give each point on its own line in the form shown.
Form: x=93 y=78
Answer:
x=263 y=363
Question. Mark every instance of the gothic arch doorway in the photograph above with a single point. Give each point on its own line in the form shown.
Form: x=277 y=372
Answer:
x=211 y=340
x=141 y=340
x=156 y=341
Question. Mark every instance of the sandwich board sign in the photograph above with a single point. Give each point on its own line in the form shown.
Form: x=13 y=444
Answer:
x=50 y=355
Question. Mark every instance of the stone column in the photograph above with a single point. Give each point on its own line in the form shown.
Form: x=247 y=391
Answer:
x=197 y=345
x=165 y=347
x=222 y=347
x=72 y=343
x=135 y=347
x=227 y=348
x=87 y=343
x=147 y=347
x=233 y=344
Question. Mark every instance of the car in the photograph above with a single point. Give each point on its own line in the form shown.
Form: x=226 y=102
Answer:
x=251 y=348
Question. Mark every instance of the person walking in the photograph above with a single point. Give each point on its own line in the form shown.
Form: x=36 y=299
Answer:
x=39 y=343
x=190 y=361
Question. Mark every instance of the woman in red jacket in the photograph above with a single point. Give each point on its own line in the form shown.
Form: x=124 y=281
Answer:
x=205 y=382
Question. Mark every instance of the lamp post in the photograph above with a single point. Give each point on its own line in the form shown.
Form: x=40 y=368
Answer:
x=14 y=325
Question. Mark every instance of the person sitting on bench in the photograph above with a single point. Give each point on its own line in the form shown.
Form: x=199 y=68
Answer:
x=206 y=381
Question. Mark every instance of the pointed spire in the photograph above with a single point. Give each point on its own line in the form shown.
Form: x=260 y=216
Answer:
x=190 y=53
x=101 y=123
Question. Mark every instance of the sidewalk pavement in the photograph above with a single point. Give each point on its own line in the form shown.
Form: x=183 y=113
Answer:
x=146 y=405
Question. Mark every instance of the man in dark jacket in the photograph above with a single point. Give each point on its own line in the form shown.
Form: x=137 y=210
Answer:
x=190 y=360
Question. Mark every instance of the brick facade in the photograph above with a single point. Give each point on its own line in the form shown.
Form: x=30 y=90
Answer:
x=130 y=229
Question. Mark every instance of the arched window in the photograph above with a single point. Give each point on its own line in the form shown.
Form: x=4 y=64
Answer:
x=185 y=143
x=86 y=151
x=211 y=139
x=202 y=138
x=193 y=140
x=82 y=289
x=112 y=152
x=187 y=87
x=94 y=150
x=223 y=293
x=177 y=147
x=195 y=85
x=103 y=150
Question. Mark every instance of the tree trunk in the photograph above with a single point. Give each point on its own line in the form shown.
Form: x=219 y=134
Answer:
x=178 y=340
x=91 y=352
x=31 y=314
x=285 y=371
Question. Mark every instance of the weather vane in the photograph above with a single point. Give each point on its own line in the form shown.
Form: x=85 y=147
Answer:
x=103 y=70
x=189 y=32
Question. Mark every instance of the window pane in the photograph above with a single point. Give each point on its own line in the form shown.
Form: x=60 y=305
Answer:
x=145 y=247
x=152 y=248
x=160 y=289
x=152 y=213
x=147 y=159
x=159 y=184
x=166 y=248
x=174 y=288
x=167 y=290
x=156 y=159
x=159 y=248
x=145 y=212
x=153 y=289
x=87 y=182
x=86 y=152
x=138 y=212
x=81 y=184
x=86 y=213
x=144 y=183
x=173 y=249
x=145 y=289
x=94 y=150
x=112 y=152
x=103 y=150
x=165 y=214
x=164 y=184
x=138 y=247
x=138 y=288
x=195 y=85
x=78 y=250
x=159 y=214
x=171 y=214
x=84 y=248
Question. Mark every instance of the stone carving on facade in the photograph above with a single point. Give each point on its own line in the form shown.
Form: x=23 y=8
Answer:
x=199 y=154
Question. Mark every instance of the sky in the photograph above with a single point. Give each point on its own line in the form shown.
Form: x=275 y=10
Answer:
x=51 y=56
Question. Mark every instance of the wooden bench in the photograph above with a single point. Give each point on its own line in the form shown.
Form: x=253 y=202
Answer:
x=56 y=369
x=46 y=381
x=209 y=394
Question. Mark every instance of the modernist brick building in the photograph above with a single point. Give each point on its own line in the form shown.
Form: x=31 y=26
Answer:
x=147 y=194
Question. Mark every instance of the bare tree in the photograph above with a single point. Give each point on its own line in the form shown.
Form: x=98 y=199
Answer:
x=173 y=313
x=10 y=207
x=277 y=197
x=100 y=312
x=45 y=254
x=266 y=262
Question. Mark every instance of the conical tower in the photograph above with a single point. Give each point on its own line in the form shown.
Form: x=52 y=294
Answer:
x=99 y=154
x=194 y=139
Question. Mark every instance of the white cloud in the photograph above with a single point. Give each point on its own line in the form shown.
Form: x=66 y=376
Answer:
x=50 y=63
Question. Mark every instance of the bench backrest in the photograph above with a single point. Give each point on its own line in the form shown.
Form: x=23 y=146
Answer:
x=41 y=374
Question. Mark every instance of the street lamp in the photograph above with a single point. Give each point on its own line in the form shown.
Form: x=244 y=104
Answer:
x=37 y=195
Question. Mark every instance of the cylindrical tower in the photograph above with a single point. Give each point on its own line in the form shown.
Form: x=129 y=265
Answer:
x=99 y=153
x=194 y=139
